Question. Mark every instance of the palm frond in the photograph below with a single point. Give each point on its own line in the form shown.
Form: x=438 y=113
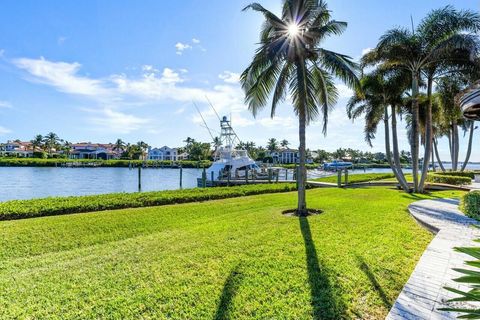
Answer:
x=326 y=93
x=341 y=66
x=281 y=87
x=269 y=16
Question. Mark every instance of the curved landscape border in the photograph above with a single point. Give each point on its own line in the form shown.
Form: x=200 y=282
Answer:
x=424 y=292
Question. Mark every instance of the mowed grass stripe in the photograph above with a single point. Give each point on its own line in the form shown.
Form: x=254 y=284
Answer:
x=237 y=258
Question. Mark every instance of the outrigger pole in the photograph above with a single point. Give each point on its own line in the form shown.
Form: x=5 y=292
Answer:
x=205 y=123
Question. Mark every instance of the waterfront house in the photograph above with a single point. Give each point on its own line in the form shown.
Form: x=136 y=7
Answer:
x=88 y=150
x=17 y=149
x=163 y=154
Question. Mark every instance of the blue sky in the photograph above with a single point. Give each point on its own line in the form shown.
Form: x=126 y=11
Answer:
x=101 y=70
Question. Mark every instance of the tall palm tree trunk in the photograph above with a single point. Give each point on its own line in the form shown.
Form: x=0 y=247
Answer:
x=455 y=147
x=415 y=130
x=440 y=163
x=450 y=145
x=302 y=123
x=428 y=136
x=433 y=160
x=396 y=155
x=469 y=149
x=302 y=204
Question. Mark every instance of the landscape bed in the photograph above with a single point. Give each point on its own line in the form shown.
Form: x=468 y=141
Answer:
x=357 y=178
x=235 y=258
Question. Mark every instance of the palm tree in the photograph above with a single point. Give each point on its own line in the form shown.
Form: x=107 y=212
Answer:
x=291 y=61
x=284 y=143
x=469 y=126
x=67 y=148
x=51 y=141
x=377 y=92
x=37 y=142
x=438 y=44
x=272 y=145
x=119 y=146
x=143 y=147
x=451 y=115
x=189 y=141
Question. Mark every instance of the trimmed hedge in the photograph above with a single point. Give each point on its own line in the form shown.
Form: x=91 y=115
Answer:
x=357 y=178
x=448 y=179
x=468 y=174
x=471 y=204
x=36 y=162
x=20 y=209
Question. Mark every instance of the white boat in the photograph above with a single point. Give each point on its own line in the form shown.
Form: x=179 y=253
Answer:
x=337 y=164
x=470 y=102
x=229 y=162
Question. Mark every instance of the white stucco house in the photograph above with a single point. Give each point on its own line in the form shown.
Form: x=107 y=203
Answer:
x=163 y=154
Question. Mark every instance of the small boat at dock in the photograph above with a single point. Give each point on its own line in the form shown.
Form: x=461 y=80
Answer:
x=337 y=164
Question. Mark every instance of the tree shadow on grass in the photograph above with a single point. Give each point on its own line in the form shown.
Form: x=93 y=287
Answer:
x=229 y=291
x=326 y=303
x=373 y=280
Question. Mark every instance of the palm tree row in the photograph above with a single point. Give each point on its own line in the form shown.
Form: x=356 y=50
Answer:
x=50 y=142
x=442 y=45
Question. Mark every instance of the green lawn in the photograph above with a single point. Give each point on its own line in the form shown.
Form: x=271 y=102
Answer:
x=355 y=178
x=225 y=259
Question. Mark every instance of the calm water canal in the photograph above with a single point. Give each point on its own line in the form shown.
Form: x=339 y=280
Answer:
x=36 y=182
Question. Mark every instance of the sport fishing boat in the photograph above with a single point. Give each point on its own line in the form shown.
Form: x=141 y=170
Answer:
x=229 y=162
x=337 y=164
x=469 y=101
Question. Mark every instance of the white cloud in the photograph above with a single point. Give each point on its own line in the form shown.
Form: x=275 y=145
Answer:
x=182 y=47
x=114 y=121
x=180 y=110
x=366 y=50
x=148 y=68
x=278 y=122
x=230 y=77
x=5 y=104
x=61 y=40
x=344 y=92
x=194 y=44
x=118 y=91
x=170 y=76
x=4 y=131
x=62 y=75
x=239 y=121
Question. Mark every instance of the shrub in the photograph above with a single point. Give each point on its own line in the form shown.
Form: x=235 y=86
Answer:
x=448 y=179
x=470 y=277
x=358 y=178
x=20 y=209
x=468 y=174
x=471 y=204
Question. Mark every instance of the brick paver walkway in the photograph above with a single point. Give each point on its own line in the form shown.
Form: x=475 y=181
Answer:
x=424 y=293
